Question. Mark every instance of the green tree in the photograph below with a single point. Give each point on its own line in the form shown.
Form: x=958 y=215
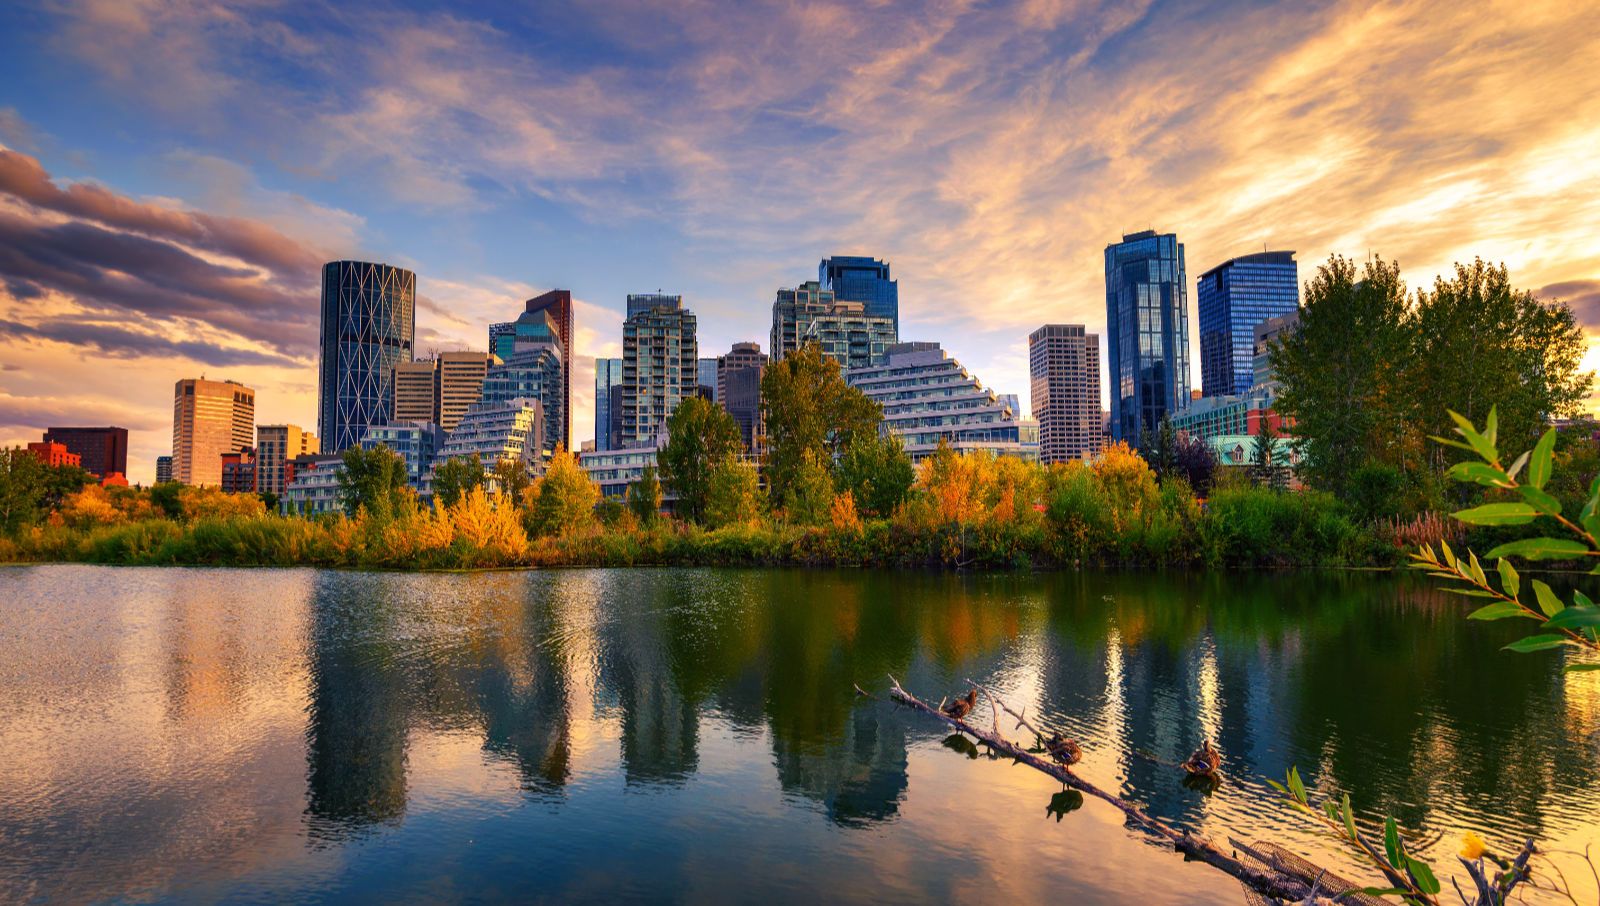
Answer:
x=168 y=498
x=1264 y=471
x=1160 y=448
x=21 y=489
x=456 y=477
x=810 y=409
x=511 y=477
x=700 y=434
x=1341 y=373
x=644 y=496
x=809 y=497
x=733 y=495
x=566 y=498
x=877 y=472
x=374 y=480
x=1479 y=342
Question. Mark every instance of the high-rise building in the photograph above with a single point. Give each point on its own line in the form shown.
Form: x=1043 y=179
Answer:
x=928 y=397
x=209 y=418
x=739 y=372
x=439 y=390
x=103 y=451
x=706 y=377
x=607 y=402
x=1064 y=365
x=558 y=302
x=864 y=280
x=368 y=322
x=742 y=355
x=163 y=469
x=527 y=355
x=1147 y=332
x=496 y=331
x=848 y=333
x=276 y=445
x=792 y=311
x=1267 y=334
x=660 y=355
x=1232 y=299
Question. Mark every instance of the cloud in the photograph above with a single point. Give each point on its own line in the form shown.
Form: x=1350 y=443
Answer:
x=117 y=341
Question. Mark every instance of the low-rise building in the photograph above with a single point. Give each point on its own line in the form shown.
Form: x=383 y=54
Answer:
x=615 y=470
x=239 y=471
x=53 y=454
x=416 y=442
x=928 y=397
x=314 y=484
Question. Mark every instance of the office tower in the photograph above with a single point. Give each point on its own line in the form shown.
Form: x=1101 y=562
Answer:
x=864 y=280
x=928 y=396
x=741 y=396
x=742 y=355
x=496 y=331
x=163 y=469
x=607 y=402
x=534 y=369
x=558 y=302
x=1232 y=299
x=1266 y=335
x=103 y=451
x=1064 y=367
x=439 y=390
x=209 y=418
x=239 y=471
x=1147 y=332
x=659 y=365
x=706 y=377
x=276 y=445
x=368 y=321
x=848 y=333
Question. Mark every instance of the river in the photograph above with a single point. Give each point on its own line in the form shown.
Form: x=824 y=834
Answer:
x=195 y=735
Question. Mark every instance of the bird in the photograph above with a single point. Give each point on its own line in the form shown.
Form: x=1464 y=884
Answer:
x=1205 y=760
x=959 y=708
x=1063 y=750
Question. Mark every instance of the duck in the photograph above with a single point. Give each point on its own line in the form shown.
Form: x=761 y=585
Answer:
x=961 y=706
x=1204 y=761
x=1065 y=751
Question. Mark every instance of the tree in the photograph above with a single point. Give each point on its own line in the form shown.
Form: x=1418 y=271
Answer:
x=511 y=477
x=1263 y=471
x=1160 y=447
x=810 y=409
x=1195 y=462
x=373 y=480
x=21 y=489
x=733 y=495
x=644 y=496
x=1341 y=373
x=810 y=493
x=166 y=497
x=565 y=498
x=700 y=434
x=876 y=472
x=1478 y=341
x=457 y=476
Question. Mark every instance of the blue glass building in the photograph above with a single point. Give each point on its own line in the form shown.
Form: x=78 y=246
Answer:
x=368 y=323
x=1147 y=332
x=607 y=402
x=1234 y=297
x=865 y=280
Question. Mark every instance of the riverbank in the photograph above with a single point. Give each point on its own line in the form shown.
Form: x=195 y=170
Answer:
x=1244 y=528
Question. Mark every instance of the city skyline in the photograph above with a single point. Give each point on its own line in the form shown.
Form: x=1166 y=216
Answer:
x=989 y=156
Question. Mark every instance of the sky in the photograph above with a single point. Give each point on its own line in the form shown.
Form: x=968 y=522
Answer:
x=173 y=172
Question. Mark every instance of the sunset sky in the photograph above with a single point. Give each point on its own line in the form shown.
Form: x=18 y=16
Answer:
x=174 y=173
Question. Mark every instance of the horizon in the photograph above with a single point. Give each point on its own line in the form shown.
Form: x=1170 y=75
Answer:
x=174 y=178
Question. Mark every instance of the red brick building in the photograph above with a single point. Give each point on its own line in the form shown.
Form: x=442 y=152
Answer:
x=54 y=454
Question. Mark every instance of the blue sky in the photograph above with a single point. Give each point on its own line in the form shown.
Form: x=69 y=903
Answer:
x=173 y=170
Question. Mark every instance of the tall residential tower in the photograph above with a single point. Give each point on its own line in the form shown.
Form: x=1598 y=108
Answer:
x=866 y=280
x=660 y=354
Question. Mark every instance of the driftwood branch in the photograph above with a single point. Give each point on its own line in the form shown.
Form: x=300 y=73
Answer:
x=1197 y=848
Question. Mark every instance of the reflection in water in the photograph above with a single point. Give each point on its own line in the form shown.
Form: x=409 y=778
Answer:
x=382 y=735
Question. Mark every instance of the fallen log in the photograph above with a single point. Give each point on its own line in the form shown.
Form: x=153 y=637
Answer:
x=1198 y=848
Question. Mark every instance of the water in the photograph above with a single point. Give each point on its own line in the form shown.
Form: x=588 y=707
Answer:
x=303 y=735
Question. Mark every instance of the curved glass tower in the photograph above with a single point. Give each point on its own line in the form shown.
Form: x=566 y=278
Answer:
x=368 y=322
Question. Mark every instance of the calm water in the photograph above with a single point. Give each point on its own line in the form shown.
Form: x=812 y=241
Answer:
x=297 y=735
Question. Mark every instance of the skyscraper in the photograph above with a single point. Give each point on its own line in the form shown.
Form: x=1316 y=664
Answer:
x=864 y=280
x=607 y=403
x=163 y=469
x=558 y=302
x=368 y=321
x=439 y=390
x=104 y=451
x=1064 y=365
x=844 y=329
x=659 y=365
x=275 y=446
x=1233 y=298
x=1147 y=332
x=532 y=366
x=209 y=418
x=739 y=373
x=415 y=396
x=706 y=377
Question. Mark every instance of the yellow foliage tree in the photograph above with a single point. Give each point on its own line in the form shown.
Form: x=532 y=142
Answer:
x=843 y=512
x=563 y=500
x=1128 y=483
x=489 y=525
x=957 y=485
x=203 y=502
x=89 y=505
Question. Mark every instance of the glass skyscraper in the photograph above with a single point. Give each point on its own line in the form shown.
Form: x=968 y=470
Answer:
x=865 y=280
x=368 y=322
x=1234 y=297
x=607 y=402
x=1147 y=332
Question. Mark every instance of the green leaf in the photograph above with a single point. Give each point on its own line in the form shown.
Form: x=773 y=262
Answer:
x=1479 y=473
x=1574 y=618
x=1470 y=592
x=1539 y=463
x=1480 y=443
x=1277 y=786
x=1449 y=555
x=1296 y=788
x=1540 y=500
x=1581 y=599
x=1500 y=611
x=1580 y=668
x=1498 y=514
x=1391 y=842
x=1491 y=433
x=1510 y=583
x=1383 y=891
x=1541 y=549
x=1477 y=569
x=1349 y=819
x=1542 y=642
x=1548 y=602
x=1451 y=443
x=1423 y=875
